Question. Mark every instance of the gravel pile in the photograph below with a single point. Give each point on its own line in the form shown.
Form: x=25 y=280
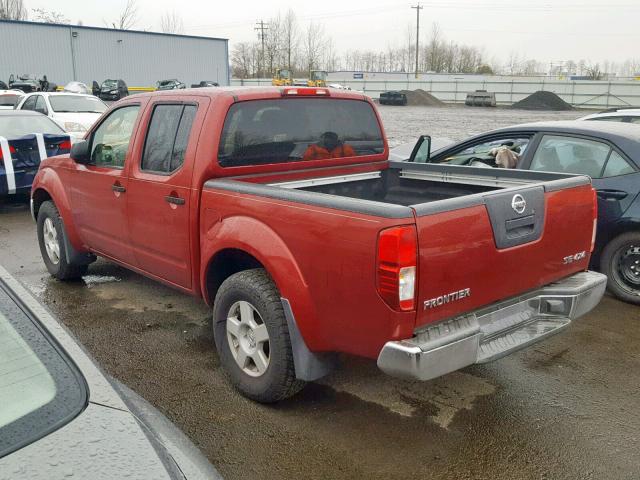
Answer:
x=421 y=98
x=542 y=100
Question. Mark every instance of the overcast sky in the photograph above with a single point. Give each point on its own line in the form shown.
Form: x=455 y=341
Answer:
x=547 y=30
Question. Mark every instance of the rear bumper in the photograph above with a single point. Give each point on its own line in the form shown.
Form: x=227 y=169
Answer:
x=493 y=332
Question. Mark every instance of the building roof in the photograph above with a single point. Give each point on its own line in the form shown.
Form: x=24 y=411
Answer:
x=115 y=30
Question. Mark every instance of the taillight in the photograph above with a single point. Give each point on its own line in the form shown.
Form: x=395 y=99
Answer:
x=65 y=145
x=396 y=269
x=11 y=150
x=595 y=220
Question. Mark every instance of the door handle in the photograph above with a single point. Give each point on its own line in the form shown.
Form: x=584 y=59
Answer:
x=116 y=187
x=174 y=200
x=611 y=194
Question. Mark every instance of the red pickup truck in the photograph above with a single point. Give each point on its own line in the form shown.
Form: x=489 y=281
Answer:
x=279 y=207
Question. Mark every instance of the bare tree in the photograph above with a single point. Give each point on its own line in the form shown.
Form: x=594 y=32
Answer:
x=593 y=71
x=12 y=10
x=290 y=38
x=49 y=16
x=171 y=22
x=128 y=17
x=313 y=46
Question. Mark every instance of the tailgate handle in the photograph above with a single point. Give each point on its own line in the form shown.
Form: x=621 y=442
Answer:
x=520 y=226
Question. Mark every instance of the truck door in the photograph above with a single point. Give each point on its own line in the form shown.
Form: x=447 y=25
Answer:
x=99 y=189
x=159 y=197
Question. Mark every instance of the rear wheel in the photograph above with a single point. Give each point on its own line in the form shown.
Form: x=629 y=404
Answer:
x=252 y=337
x=52 y=247
x=621 y=263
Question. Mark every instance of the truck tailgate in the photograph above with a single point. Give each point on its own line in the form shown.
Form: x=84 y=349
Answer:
x=500 y=244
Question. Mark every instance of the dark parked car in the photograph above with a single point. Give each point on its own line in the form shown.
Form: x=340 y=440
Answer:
x=205 y=83
x=30 y=83
x=171 y=84
x=393 y=98
x=62 y=417
x=609 y=152
x=20 y=155
x=113 y=90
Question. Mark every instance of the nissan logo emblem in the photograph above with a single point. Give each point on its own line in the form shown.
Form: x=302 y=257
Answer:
x=518 y=203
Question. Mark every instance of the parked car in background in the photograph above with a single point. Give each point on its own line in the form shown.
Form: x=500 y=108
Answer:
x=113 y=90
x=241 y=215
x=77 y=87
x=62 y=416
x=25 y=138
x=30 y=83
x=609 y=152
x=75 y=113
x=622 y=114
x=10 y=98
x=205 y=83
x=393 y=98
x=171 y=84
x=3 y=86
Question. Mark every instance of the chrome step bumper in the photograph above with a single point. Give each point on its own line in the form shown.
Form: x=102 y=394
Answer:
x=493 y=332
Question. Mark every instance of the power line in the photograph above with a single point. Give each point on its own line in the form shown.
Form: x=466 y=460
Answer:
x=418 y=8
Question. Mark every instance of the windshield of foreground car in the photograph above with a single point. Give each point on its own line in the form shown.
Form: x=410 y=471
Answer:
x=76 y=104
x=40 y=389
x=12 y=126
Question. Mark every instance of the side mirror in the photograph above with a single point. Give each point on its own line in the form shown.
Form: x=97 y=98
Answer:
x=422 y=151
x=80 y=152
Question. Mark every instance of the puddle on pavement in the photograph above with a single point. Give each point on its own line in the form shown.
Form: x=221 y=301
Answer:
x=440 y=399
x=93 y=280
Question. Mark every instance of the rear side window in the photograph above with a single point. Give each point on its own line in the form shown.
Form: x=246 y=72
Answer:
x=571 y=155
x=167 y=137
x=274 y=131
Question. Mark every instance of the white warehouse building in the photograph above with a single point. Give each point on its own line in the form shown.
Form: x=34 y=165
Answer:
x=73 y=52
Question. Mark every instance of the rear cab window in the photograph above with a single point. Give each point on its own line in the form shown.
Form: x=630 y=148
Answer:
x=259 y=132
x=40 y=388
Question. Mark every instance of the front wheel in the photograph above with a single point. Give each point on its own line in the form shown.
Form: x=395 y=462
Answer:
x=621 y=263
x=52 y=245
x=252 y=337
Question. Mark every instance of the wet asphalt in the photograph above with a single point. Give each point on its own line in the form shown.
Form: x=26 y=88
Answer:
x=567 y=408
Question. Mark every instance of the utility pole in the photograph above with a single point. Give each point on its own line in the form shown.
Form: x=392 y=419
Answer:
x=418 y=7
x=261 y=27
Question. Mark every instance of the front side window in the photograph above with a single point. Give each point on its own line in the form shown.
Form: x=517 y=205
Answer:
x=110 y=141
x=571 y=155
x=167 y=137
x=289 y=130
x=29 y=103
x=40 y=389
x=502 y=152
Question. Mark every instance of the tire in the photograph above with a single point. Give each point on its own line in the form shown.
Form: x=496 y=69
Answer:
x=620 y=261
x=248 y=306
x=51 y=236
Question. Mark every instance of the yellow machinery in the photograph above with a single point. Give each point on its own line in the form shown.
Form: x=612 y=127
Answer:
x=318 y=78
x=282 y=78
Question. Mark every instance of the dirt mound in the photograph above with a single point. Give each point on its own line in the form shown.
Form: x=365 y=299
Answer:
x=421 y=98
x=542 y=100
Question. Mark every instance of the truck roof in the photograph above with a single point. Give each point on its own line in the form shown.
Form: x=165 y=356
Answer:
x=256 y=93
